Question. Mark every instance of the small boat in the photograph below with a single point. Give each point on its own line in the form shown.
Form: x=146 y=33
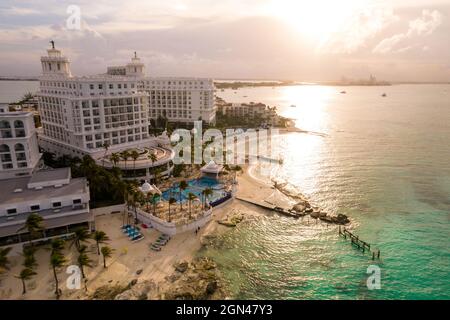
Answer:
x=384 y=95
x=293 y=106
x=343 y=92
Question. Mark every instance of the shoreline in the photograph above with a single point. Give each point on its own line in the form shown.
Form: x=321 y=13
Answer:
x=135 y=262
x=130 y=261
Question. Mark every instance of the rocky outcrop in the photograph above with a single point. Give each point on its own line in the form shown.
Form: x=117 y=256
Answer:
x=232 y=218
x=340 y=219
x=181 y=266
x=107 y=292
x=304 y=207
x=199 y=281
x=139 y=291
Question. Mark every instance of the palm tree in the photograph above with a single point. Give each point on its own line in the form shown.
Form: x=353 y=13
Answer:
x=105 y=146
x=183 y=186
x=153 y=158
x=156 y=172
x=155 y=199
x=236 y=169
x=171 y=201
x=207 y=192
x=57 y=245
x=125 y=155
x=34 y=225
x=107 y=253
x=25 y=274
x=114 y=158
x=4 y=261
x=83 y=260
x=134 y=155
x=148 y=198
x=100 y=237
x=29 y=258
x=88 y=167
x=191 y=197
x=81 y=235
x=57 y=260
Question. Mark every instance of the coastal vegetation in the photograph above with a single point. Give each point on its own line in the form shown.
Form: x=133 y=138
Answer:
x=25 y=275
x=57 y=257
x=106 y=185
x=4 y=260
x=106 y=253
x=57 y=260
x=34 y=226
x=100 y=237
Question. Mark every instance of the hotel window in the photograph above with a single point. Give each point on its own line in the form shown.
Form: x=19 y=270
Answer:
x=56 y=204
x=91 y=86
x=11 y=211
x=111 y=86
x=76 y=201
x=35 y=207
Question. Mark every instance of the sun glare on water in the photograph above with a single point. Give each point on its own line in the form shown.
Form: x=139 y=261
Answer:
x=316 y=19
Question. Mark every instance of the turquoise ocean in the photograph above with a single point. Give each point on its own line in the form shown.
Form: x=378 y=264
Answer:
x=384 y=162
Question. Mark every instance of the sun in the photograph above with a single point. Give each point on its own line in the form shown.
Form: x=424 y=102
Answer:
x=316 y=19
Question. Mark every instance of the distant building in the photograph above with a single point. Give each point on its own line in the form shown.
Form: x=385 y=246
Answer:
x=243 y=109
x=182 y=100
x=249 y=110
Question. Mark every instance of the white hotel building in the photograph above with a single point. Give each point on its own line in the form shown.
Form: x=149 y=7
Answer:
x=19 y=151
x=62 y=202
x=80 y=114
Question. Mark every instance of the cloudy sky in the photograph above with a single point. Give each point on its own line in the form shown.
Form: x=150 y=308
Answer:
x=397 y=40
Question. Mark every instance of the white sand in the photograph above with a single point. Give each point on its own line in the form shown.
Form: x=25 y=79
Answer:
x=128 y=257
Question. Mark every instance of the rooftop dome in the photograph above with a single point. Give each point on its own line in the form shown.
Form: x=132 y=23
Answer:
x=146 y=187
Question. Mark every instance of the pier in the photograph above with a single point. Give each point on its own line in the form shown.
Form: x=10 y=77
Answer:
x=358 y=243
x=269 y=206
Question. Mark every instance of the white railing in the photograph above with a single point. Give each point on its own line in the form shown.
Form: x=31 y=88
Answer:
x=172 y=228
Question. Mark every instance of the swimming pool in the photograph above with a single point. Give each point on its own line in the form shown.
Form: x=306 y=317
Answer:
x=196 y=187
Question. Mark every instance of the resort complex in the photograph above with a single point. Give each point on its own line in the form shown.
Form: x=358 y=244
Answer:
x=30 y=188
x=202 y=150
x=104 y=121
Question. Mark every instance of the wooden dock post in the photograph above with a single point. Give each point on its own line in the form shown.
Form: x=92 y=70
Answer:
x=378 y=255
x=360 y=244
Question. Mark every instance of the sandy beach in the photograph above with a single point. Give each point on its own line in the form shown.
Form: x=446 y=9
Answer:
x=130 y=260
